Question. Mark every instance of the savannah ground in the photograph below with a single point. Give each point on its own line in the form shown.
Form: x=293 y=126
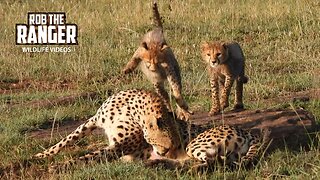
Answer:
x=280 y=39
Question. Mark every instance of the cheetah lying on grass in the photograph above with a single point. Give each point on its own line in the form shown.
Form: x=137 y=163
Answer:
x=137 y=123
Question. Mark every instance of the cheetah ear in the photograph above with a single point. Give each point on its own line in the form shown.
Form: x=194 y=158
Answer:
x=164 y=46
x=144 y=45
x=224 y=45
x=203 y=45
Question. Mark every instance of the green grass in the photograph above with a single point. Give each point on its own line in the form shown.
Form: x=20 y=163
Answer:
x=280 y=39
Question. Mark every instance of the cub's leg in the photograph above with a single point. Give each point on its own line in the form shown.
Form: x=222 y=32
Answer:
x=160 y=90
x=215 y=107
x=238 y=104
x=182 y=106
x=133 y=63
x=224 y=101
x=174 y=80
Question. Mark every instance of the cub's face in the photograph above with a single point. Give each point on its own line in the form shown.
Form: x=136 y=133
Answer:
x=214 y=53
x=153 y=55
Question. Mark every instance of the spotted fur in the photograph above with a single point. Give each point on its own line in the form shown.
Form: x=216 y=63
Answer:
x=207 y=146
x=134 y=121
x=224 y=143
x=157 y=61
x=225 y=62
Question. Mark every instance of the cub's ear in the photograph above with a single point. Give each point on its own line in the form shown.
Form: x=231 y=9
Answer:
x=224 y=45
x=144 y=45
x=164 y=46
x=203 y=45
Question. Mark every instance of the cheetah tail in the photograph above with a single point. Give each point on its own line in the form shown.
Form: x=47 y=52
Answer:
x=81 y=131
x=156 y=15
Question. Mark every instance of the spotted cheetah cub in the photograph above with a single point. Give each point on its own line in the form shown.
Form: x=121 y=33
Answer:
x=135 y=123
x=157 y=61
x=225 y=63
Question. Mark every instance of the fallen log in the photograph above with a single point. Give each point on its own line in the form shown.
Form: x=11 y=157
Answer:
x=281 y=122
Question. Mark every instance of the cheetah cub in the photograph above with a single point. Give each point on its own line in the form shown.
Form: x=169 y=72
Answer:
x=157 y=61
x=226 y=63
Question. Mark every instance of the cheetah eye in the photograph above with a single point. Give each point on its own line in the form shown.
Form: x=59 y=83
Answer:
x=218 y=54
x=208 y=54
x=148 y=64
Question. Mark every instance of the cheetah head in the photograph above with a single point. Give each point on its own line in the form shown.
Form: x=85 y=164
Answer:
x=153 y=54
x=162 y=134
x=214 y=53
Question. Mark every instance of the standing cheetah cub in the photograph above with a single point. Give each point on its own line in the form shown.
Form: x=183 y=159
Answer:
x=225 y=65
x=157 y=61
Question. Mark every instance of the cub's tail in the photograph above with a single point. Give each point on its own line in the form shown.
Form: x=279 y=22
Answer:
x=83 y=130
x=156 y=15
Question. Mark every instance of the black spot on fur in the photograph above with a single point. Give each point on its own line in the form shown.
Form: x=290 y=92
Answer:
x=120 y=127
x=228 y=137
x=120 y=135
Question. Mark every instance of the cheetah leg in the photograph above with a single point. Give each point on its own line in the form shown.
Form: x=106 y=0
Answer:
x=238 y=104
x=174 y=80
x=129 y=147
x=183 y=111
x=160 y=90
x=133 y=63
x=83 y=130
x=226 y=92
x=215 y=107
x=251 y=154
